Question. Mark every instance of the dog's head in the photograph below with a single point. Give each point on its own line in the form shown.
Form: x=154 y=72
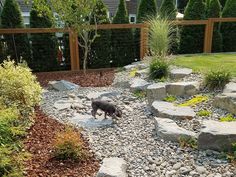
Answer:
x=118 y=113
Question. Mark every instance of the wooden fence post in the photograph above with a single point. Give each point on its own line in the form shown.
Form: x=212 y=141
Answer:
x=74 y=50
x=208 y=36
x=143 y=41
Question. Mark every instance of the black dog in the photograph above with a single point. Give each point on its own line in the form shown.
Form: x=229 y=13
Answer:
x=108 y=108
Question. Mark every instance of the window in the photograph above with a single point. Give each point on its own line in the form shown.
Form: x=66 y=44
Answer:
x=132 y=18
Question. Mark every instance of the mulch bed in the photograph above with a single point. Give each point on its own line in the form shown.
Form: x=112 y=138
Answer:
x=96 y=78
x=39 y=144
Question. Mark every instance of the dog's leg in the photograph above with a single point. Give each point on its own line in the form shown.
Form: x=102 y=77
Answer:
x=94 y=112
x=105 y=115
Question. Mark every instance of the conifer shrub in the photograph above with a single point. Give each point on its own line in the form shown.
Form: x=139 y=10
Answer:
x=228 y=29
x=19 y=87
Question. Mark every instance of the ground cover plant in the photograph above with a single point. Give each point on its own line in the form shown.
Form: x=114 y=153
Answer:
x=204 y=113
x=195 y=100
x=208 y=62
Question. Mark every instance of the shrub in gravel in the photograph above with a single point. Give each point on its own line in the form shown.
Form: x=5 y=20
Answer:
x=194 y=101
x=170 y=98
x=159 y=69
x=204 y=113
x=19 y=87
x=216 y=80
x=68 y=145
x=140 y=94
x=188 y=142
x=228 y=118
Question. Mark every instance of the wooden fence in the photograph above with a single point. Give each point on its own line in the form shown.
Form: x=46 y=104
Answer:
x=73 y=38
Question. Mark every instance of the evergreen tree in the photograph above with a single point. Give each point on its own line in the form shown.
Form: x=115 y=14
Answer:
x=43 y=45
x=213 y=11
x=182 y=5
x=192 y=37
x=122 y=39
x=168 y=10
x=223 y=2
x=100 y=54
x=17 y=44
x=146 y=8
x=229 y=29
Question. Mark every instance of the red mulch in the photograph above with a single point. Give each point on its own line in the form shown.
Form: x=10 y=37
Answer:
x=39 y=144
x=94 y=78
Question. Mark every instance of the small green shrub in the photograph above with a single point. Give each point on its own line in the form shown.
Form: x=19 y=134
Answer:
x=188 y=142
x=170 y=98
x=204 y=113
x=228 y=118
x=140 y=94
x=194 y=101
x=159 y=69
x=215 y=80
x=19 y=87
x=69 y=145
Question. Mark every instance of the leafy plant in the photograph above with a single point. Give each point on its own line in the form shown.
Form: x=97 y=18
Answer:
x=204 y=113
x=217 y=79
x=160 y=35
x=194 y=101
x=228 y=118
x=170 y=98
x=188 y=142
x=69 y=145
x=19 y=87
x=159 y=69
x=140 y=94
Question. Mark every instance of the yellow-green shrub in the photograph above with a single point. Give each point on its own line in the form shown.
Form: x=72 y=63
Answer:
x=69 y=145
x=18 y=87
x=194 y=101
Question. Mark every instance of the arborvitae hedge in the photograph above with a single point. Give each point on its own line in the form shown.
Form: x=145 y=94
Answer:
x=100 y=55
x=17 y=44
x=223 y=2
x=44 y=46
x=146 y=8
x=229 y=29
x=182 y=5
x=214 y=11
x=192 y=37
x=122 y=39
x=168 y=10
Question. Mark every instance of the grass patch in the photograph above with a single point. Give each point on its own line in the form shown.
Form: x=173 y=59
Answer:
x=228 y=118
x=188 y=142
x=204 y=113
x=194 y=101
x=208 y=62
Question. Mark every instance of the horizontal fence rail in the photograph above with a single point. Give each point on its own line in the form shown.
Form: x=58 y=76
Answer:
x=73 y=37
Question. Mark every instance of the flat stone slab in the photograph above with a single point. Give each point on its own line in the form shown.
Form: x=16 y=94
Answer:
x=226 y=101
x=138 y=84
x=217 y=135
x=99 y=95
x=156 y=92
x=113 y=167
x=168 y=130
x=62 y=85
x=88 y=121
x=182 y=88
x=137 y=65
x=230 y=88
x=142 y=73
x=169 y=110
x=180 y=73
x=65 y=104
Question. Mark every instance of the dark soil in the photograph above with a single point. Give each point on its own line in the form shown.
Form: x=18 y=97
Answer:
x=96 y=78
x=42 y=164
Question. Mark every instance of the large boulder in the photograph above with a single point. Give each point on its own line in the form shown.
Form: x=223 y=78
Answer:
x=138 y=84
x=142 y=73
x=226 y=101
x=168 y=130
x=135 y=65
x=230 y=88
x=180 y=73
x=62 y=85
x=217 y=135
x=156 y=92
x=113 y=167
x=182 y=88
x=169 y=110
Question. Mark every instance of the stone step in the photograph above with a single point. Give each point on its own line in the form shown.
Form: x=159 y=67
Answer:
x=180 y=73
x=169 y=110
x=230 y=88
x=168 y=130
x=216 y=135
x=156 y=92
x=113 y=167
x=138 y=84
x=62 y=85
x=226 y=101
x=183 y=88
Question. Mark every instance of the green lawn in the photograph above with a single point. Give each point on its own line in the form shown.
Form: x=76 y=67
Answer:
x=207 y=62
